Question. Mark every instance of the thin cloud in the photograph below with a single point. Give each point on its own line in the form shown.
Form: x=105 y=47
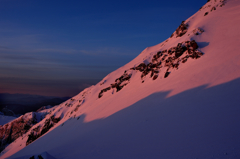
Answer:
x=99 y=51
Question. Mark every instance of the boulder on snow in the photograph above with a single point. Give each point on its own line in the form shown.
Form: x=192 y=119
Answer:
x=181 y=30
x=213 y=8
x=39 y=131
x=155 y=77
x=166 y=74
x=194 y=45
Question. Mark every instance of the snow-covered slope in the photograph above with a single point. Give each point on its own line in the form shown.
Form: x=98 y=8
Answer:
x=177 y=99
x=18 y=127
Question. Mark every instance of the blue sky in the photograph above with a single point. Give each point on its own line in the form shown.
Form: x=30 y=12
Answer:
x=57 y=48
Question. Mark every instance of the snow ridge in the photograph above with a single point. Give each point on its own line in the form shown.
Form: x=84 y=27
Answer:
x=174 y=64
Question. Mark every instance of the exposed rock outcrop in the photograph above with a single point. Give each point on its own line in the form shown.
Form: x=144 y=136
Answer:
x=181 y=30
x=212 y=5
x=16 y=128
x=42 y=129
x=170 y=58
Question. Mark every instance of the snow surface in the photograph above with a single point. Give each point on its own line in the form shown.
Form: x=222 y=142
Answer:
x=44 y=155
x=193 y=113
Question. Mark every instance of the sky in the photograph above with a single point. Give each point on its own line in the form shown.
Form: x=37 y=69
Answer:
x=59 y=47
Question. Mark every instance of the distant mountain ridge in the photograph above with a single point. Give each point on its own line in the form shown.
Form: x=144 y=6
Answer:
x=23 y=103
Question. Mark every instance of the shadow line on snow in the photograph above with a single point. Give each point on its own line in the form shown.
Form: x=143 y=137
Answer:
x=198 y=123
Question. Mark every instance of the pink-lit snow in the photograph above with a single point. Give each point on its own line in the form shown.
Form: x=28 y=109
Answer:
x=193 y=113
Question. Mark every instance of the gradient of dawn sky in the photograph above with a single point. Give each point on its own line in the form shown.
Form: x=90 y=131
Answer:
x=60 y=47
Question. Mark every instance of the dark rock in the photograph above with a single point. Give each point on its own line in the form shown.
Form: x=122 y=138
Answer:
x=141 y=67
x=164 y=57
x=118 y=87
x=206 y=14
x=166 y=74
x=213 y=8
x=55 y=120
x=100 y=95
x=36 y=133
x=31 y=138
x=40 y=157
x=48 y=125
x=184 y=60
x=181 y=30
x=172 y=62
x=16 y=128
x=159 y=53
x=194 y=45
x=27 y=127
x=155 y=77
x=178 y=53
x=176 y=65
x=194 y=55
x=152 y=73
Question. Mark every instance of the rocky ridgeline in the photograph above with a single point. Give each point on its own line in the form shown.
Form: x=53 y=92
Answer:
x=72 y=103
x=212 y=5
x=197 y=31
x=181 y=30
x=44 y=107
x=167 y=59
x=18 y=127
x=164 y=60
x=119 y=83
x=76 y=103
x=42 y=129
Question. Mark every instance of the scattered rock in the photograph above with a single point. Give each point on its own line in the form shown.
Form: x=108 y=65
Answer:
x=198 y=31
x=213 y=8
x=39 y=131
x=166 y=74
x=170 y=58
x=119 y=82
x=181 y=30
x=16 y=128
x=40 y=157
x=155 y=77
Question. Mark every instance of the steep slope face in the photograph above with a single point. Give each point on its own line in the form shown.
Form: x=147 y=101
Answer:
x=178 y=99
x=9 y=132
